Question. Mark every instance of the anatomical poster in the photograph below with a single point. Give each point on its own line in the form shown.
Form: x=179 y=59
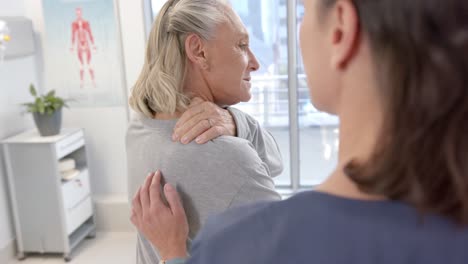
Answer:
x=82 y=52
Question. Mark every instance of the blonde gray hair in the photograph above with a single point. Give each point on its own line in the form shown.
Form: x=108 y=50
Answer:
x=159 y=88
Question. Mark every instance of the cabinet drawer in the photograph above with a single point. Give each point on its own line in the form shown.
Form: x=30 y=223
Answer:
x=70 y=144
x=77 y=215
x=75 y=190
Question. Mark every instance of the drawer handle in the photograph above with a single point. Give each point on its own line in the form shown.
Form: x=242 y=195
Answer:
x=79 y=183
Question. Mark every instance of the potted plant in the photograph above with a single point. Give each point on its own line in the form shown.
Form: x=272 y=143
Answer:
x=47 y=112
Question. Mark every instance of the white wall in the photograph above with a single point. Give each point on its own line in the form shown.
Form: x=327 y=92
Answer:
x=15 y=76
x=105 y=127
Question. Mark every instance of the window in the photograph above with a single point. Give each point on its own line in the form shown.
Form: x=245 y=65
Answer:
x=318 y=132
x=308 y=139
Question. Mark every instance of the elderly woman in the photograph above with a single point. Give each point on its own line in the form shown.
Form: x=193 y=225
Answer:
x=199 y=48
x=395 y=72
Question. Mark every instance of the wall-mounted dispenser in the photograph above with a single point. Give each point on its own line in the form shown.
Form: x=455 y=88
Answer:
x=4 y=38
x=16 y=37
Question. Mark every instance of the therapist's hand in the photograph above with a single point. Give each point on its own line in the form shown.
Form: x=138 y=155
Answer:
x=202 y=122
x=164 y=226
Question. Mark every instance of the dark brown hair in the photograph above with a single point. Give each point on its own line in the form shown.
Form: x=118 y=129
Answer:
x=421 y=47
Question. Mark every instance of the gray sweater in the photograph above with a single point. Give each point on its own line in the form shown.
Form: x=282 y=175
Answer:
x=223 y=173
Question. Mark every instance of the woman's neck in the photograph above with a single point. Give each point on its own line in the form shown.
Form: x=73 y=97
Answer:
x=195 y=85
x=356 y=143
x=361 y=118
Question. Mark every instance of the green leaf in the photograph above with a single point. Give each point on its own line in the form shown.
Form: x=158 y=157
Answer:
x=57 y=106
x=51 y=94
x=40 y=105
x=45 y=104
x=32 y=90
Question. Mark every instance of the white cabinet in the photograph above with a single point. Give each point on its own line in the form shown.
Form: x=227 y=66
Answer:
x=51 y=215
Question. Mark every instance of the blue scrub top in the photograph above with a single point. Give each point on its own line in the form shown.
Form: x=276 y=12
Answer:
x=314 y=227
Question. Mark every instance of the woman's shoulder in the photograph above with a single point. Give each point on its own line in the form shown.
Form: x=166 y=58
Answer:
x=255 y=216
x=140 y=122
x=272 y=210
x=244 y=232
x=314 y=225
x=313 y=209
x=237 y=147
x=222 y=149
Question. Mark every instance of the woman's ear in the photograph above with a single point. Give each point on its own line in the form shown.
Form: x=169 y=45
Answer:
x=195 y=50
x=344 y=25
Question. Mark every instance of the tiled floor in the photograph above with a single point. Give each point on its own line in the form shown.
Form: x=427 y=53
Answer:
x=115 y=248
